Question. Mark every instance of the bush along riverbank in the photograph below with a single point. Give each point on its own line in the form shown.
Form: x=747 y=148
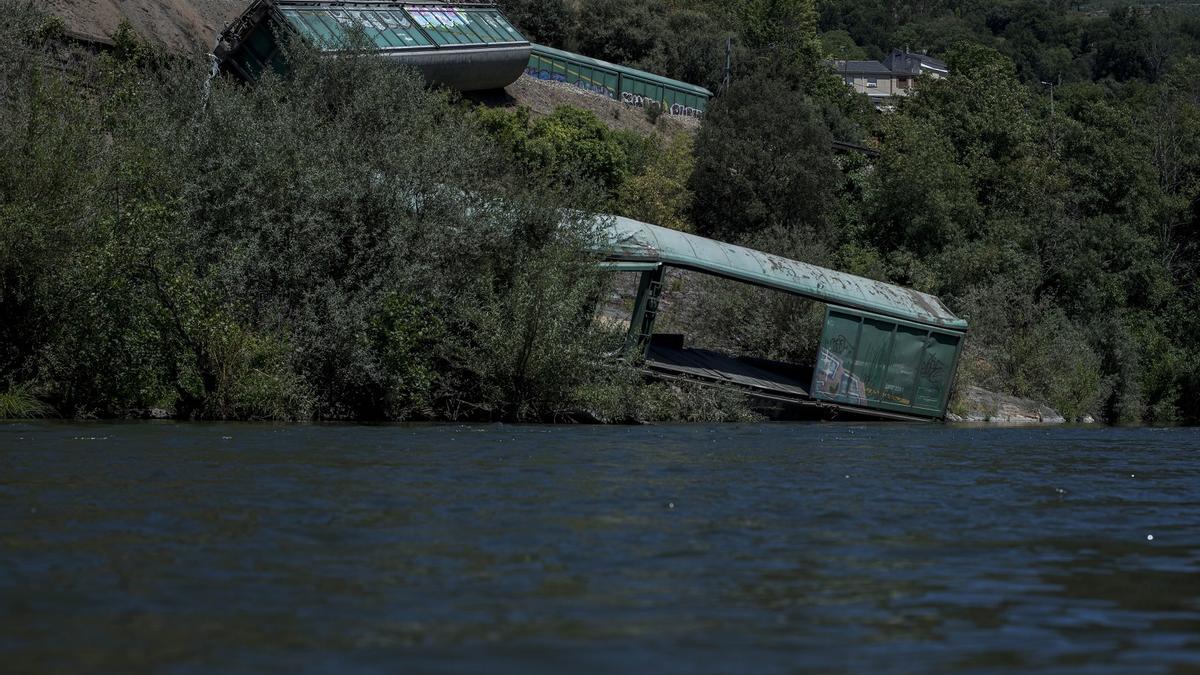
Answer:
x=345 y=244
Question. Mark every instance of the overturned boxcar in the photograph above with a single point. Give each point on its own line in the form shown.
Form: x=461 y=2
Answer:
x=620 y=83
x=885 y=351
x=462 y=45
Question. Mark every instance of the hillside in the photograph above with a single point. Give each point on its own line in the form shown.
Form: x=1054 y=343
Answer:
x=542 y=97
x=185 y=25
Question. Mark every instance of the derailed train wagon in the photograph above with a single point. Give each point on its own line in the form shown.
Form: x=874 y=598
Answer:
x=885 y=351
x=466 y=46
x=620 y=83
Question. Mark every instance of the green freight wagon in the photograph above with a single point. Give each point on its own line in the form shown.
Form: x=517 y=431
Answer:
x=885 y=351
x=631 y=86
x=466 y=46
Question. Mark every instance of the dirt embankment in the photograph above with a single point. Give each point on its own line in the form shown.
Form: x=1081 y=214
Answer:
x=182 y=25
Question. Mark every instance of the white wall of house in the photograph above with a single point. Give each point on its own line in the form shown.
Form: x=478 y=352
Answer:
x=873 y=85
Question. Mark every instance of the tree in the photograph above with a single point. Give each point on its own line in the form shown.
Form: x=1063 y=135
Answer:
x=547 y=22
x=839 y=45
x=694 y=51
x=788 y=27
x=763 y=158
x=660 y=195
x=621 y=31
x=923 y=200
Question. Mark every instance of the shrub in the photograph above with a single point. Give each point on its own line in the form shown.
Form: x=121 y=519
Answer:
x=19 y=403
x=338 y=243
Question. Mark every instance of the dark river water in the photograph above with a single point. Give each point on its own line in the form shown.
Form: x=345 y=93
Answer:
x=725 y=549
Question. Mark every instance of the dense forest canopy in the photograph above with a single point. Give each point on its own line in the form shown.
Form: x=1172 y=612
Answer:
x=1062 y=222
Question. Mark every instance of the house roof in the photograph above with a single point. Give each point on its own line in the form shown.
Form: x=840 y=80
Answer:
x=861 y=68
x=900 y=61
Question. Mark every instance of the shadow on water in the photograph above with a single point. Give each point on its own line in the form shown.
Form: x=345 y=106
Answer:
x=768 y=548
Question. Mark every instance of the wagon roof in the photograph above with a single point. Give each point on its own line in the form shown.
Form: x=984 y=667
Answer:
x=633 y=72
x=633 y=241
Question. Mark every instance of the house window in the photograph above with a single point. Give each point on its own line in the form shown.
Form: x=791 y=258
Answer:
x=903 y=83
x=872 y=83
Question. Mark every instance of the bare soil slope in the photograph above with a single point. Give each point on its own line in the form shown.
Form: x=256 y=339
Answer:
x=184 y=25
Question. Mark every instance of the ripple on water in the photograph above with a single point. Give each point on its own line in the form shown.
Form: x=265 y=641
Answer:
x=760 y=548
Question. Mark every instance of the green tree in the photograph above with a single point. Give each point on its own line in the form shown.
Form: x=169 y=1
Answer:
x=547 y=22
x=924 y=199
x=660 y=194
x=763 y=158
x=568 y=146
x=621 y=31
x=839 y=44
x=788 y=27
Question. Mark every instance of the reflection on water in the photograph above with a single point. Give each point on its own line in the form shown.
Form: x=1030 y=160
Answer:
x=769 y=548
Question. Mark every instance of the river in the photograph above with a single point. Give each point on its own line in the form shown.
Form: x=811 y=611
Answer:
x=195 y=548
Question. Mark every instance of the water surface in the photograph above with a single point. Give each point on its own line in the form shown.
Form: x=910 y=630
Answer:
x=760 y=549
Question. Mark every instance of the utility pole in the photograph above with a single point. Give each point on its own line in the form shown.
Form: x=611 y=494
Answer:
x=1053 y=136
x=1051 y=85
x=728 y=63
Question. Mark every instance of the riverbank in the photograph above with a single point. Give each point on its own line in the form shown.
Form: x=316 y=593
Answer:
x=976 y=405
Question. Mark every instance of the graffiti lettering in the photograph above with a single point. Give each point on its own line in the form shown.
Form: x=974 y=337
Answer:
x=933 y=370
x=559 y=77
x=839 y=345
x=627 y=97
x=630 y=98
x=686 y=111
x=639 y=101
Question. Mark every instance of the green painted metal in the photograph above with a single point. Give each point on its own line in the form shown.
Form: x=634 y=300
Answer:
x=463 y=45
x=398 y=25
x=645 y=311
x=628 y=266
x=632 y=72
x=617 y=82
x=632 y=241
x=871 y=361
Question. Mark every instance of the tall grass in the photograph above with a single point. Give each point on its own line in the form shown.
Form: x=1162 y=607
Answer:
x=18 y=403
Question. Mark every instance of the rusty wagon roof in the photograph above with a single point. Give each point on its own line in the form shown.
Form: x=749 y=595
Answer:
x=634 y=241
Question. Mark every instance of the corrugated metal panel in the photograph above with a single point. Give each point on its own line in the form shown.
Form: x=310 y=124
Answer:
x=635 y=241
x=397 y=25
x=873 y=361
x=467 y=46
x=631 y=72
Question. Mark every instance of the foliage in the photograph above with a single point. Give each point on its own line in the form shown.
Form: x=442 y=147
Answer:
x=691 y=47
x=788 y=27
x=763 y=160
x=19 y=403
x=1033 y=350
x=546 y=22
x=620 y=31
x=838 y=44
x=568 y=147
x=1046 y=41
x=660 y=194
x=346 y=243
x=342 y=243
